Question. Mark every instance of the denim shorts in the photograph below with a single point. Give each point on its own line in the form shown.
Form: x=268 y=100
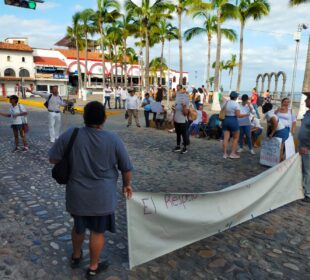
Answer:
x=98 y=224
x=231 y=124
x=283 y=134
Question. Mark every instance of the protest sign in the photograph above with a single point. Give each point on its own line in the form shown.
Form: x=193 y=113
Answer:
x=156 y=107
x=159 y=223
x=270 y=151
x=182 y=98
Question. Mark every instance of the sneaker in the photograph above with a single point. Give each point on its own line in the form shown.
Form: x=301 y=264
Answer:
x=184 y=151
x=177 y=149
x=240 y=150
x=15 y=150
x=252 y=152
x=138 y=125
x=128 y=125
x=26 y=149
x=75 y=262
x=52 y=140
x=225 y=156
x=233 y=156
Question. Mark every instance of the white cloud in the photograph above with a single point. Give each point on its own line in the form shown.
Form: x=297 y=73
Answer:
x=41 y=33
x=47 y=6
x=78 y=8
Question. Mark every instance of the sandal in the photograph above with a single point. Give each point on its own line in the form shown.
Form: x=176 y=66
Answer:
x=75 y=262
x=102 y=266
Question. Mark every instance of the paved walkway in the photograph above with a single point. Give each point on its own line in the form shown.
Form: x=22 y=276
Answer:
x=35 y=229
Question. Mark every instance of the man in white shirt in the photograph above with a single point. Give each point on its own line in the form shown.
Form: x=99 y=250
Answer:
x=118 y=93
x=124 y=95
x=131 y=106
x=107 y=96
x=53 y=103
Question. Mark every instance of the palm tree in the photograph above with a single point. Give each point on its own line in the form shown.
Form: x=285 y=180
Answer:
x=107 y=11
x=230 y=65
x=132 y=59
x=209 y=28
x=148 y=14
x=211 y=81
x=157 y=64
x=181 y=7
x=247 y=9
x=221 y=68
x=306 y=84
x=74 y=32
x=86 y=18
x=224 y=10
x=298 y=2
x=164 y=31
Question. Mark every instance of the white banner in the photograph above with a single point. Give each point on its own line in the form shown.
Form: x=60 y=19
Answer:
x=270 y=151
x=159 y=223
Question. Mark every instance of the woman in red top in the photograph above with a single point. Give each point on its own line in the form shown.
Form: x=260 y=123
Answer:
x=254 y=98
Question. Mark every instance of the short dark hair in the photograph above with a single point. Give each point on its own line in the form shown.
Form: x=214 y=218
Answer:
x=244 y=97
x=15 y=97
x=266 y=107
x=284 y=99
x=94 y=113
x=200 y=90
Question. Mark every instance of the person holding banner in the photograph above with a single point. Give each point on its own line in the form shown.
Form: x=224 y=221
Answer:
x=286 y=115
x=275 y=128
x=304 y=149
x=96 y=158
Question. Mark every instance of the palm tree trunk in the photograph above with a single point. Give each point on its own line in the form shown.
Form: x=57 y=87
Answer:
x=86 y=58
x=125 y=62
x=79 y=69
x=103 y=58
x=161 y=61
x=231 y=77
x=209 y=62
x=147 y=62
x=240 y=57
x=180 y=47
x=306 y=84
x=218 y=52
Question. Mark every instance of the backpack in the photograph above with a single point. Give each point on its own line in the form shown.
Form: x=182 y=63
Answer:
x=214 y=121
x=46 y=102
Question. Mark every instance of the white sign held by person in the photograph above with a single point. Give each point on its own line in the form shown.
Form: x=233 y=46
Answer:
x=270 y=151
x=156 y=107
x=182 y=98
x=159 y=223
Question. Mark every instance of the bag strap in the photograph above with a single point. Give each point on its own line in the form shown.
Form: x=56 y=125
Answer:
x=71 y=141
x=48 y=99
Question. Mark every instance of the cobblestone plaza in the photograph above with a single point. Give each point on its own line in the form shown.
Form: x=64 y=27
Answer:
x=35 y=240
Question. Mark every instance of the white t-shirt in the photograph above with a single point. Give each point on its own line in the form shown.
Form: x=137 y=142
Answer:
x=124 y=94
x=245 y=109
x=270 y=115
x=107 y=92
x=19 y=108
x=231 y=107
x=132 y=102
x=199 y=117
x=287 y=119
x=118 y=92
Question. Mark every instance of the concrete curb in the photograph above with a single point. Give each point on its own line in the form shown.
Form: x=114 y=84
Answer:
x=40 y=104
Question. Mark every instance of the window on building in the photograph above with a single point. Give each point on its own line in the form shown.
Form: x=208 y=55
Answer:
x=8 y=58
x=24 y=73
x=174 y=79
x=23 y=59
x=9 y=72
x=41 y=87
x=184 y=82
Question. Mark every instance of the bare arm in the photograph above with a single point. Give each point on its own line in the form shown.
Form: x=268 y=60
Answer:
x=42 y=94
x=53 y=161
x=127 y=190
x=274 y=123
x=5 y=115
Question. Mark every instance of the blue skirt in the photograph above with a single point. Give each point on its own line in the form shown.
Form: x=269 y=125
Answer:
x=98 y=224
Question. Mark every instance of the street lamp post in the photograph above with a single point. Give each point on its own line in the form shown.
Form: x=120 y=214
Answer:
x=297 y=37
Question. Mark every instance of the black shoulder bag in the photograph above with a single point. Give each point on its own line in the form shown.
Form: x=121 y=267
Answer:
x=61 y=171
x=48 y=100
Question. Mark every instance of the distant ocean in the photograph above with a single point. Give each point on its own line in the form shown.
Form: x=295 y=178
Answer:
x=297 y=95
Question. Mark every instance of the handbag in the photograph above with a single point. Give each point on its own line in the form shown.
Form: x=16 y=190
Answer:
x=222 y=113
x=25 y=125
x=61 y=170
x=126 y=115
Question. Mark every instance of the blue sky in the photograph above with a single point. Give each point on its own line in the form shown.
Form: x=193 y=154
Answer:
x=268 y=44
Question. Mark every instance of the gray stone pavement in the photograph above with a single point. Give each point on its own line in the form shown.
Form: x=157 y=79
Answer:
x=35 y=229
